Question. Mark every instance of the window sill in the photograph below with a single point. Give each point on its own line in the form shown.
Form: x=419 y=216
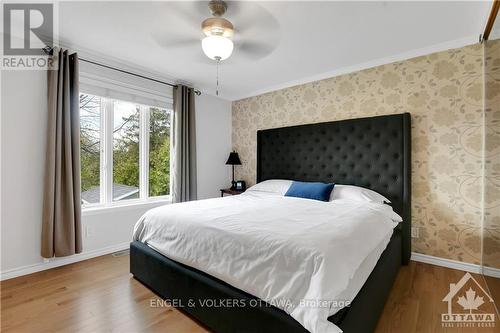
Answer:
x=129 y=204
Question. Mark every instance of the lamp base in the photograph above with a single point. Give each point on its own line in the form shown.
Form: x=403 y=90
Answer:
x=233 y=185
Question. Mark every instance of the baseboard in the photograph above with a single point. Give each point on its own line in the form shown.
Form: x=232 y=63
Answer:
x=492 y=272
x=454 y=264
x=56 y=262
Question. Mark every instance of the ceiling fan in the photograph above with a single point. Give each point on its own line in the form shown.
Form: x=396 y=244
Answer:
x=217 y=44
x=254 y=35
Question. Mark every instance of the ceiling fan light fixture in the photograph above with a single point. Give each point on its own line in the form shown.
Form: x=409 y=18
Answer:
x=217 y=47
x=217 y=26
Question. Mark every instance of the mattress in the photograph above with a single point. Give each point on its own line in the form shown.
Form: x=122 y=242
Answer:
x=302 y=256
x=364 y=270
x=359 y=278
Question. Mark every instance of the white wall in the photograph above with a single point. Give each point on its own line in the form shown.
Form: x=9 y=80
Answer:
x=23 y=125
x=213 y=144
x=23 y=129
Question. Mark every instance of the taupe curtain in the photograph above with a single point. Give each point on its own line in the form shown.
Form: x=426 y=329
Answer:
x=183 y=146
x=61 y=229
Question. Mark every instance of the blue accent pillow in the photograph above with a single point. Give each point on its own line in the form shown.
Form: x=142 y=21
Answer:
x=310 y=190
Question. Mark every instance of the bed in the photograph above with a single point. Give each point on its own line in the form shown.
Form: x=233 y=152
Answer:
x=370 y=152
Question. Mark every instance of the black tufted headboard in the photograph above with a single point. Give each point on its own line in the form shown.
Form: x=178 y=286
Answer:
x=369 y=152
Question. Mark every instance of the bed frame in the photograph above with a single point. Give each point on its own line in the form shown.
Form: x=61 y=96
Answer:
x=370 y=152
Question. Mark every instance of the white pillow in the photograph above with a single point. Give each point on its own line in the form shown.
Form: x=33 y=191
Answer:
x=356 y=193
x=278 y=186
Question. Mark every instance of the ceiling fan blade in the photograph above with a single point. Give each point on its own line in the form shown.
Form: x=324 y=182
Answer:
x=189 y=12
x=169 y=42
x=257 y=31
x=251 y=18
x=177 y=24
x=253 y=49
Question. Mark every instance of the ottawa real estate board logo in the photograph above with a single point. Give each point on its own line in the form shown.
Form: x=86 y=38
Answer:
x=28 y=28
x=469 y=305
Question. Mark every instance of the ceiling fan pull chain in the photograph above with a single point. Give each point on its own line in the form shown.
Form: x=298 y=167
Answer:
x=217 y=89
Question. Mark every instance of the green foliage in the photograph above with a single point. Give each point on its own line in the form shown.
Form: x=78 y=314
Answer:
x=125 y=148
x=159 y=152
x=89 y=141
x=126 y=151
x=90 y=170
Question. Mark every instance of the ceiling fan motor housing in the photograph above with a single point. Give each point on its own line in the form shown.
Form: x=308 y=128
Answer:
x=217 y=7
x=217 y=25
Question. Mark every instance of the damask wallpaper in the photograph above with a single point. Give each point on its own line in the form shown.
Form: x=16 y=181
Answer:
x=491 y=228
x=444 y=94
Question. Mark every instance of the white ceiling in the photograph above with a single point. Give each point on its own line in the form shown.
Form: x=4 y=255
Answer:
x=278 y=44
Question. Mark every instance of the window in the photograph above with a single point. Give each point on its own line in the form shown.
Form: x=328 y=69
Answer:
x=159 y=152
x=125 y=150
x=90 y=147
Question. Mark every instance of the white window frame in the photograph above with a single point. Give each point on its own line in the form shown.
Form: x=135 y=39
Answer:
x=106 y=158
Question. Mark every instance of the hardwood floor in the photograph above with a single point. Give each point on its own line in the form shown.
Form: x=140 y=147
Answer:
x=99 y=295
x=415 y=303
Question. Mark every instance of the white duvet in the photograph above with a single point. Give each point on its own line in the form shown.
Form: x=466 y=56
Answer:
x=297 y=254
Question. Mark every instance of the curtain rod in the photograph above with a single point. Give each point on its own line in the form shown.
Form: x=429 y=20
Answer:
x=491 y=20
x=48 y=50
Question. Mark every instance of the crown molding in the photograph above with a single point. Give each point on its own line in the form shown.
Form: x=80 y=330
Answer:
x=453 y=44
x=132 y=67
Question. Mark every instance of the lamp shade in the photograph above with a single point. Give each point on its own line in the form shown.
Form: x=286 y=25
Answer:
x=233 y=159
x=217 y=47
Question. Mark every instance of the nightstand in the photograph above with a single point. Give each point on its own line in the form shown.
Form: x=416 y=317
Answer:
x=229 y=191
